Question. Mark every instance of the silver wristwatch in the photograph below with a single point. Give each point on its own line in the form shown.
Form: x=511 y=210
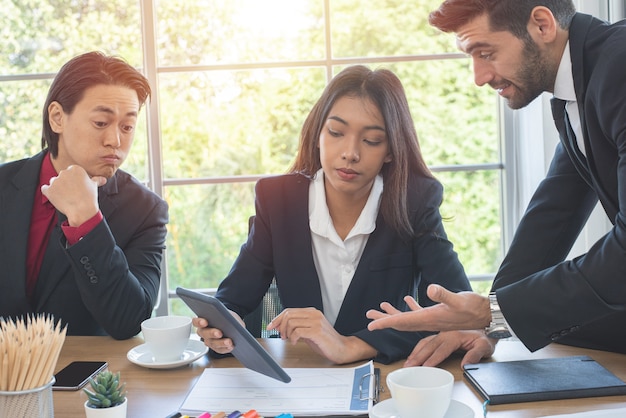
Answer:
x=498 y=327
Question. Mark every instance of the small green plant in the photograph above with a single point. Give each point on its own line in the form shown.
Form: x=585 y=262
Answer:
x=107 y=391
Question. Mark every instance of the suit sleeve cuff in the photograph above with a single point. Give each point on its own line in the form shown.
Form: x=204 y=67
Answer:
x=73 y=234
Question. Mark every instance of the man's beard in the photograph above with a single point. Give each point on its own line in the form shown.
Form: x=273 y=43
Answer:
x=534 y=77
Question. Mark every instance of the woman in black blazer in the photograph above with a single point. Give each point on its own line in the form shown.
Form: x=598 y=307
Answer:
x=354 y=223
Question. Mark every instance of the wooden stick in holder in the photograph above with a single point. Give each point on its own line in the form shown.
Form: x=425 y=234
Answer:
x=29 y=351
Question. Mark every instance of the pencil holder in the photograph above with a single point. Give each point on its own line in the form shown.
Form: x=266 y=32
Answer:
x=35 y=402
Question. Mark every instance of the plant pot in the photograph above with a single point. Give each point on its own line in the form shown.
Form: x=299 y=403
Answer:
x=118 y=411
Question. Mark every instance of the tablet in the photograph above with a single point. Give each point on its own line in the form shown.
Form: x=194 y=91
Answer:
x=247 y=349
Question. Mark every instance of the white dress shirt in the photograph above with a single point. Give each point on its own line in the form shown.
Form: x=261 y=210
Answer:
x=564 y=90
x=335 y=259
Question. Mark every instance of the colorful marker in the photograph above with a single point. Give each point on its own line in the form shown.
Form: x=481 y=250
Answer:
x=234 y=414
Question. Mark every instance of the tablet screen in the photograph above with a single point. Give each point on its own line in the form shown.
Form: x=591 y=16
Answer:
x=247 y=349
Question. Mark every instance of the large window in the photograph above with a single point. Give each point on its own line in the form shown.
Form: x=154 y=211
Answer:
x=233 y=81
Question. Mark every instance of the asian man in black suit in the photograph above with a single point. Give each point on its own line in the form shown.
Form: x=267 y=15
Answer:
x=80 y=239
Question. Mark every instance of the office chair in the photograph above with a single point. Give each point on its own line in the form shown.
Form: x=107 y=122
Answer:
x=257 y=320
x=270 y=306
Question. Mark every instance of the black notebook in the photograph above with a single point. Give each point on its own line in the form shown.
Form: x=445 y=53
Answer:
x=542 y=380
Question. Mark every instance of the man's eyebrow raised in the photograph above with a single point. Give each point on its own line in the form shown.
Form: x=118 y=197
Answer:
x=106 y=109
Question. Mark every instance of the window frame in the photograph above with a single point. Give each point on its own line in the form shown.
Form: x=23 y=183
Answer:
x=156 y=180
x=520 y=170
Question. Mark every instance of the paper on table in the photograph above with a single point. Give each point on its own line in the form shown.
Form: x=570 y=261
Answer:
x=312 y=391
x=605 y=413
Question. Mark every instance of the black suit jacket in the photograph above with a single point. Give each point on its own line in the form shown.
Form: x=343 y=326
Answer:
x=108 y=282
x=580 y=301
x=279 y=245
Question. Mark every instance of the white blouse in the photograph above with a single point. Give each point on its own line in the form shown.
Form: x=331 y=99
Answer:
x=337 y=260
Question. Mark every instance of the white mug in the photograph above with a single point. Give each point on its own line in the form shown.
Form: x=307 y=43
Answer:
x=166 y=336
x=421 y=392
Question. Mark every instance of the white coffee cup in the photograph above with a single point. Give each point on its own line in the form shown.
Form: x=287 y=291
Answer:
x=421 y=392
x=166 y=336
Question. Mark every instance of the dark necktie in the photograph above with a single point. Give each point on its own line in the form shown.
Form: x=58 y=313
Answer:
x=568 y=138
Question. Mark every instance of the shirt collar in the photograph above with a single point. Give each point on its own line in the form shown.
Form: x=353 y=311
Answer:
x=564 y=83
x=46 y=173
x=319 y=217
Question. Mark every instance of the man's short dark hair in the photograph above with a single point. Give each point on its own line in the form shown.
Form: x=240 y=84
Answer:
x=81 y=73
x=504 y=15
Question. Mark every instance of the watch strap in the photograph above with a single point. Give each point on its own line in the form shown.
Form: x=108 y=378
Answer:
x=498 y=328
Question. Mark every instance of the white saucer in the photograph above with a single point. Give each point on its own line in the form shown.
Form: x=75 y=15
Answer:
x=141 y=356
x=387 y=409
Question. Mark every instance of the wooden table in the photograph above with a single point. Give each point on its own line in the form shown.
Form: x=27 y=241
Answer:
x=155 y=393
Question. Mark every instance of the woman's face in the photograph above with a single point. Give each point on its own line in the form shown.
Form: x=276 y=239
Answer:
x=353 y=147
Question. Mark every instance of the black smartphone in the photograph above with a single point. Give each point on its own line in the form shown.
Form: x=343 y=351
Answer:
x=76 y=374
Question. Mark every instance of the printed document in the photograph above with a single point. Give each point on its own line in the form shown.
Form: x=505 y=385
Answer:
x=312 y=391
